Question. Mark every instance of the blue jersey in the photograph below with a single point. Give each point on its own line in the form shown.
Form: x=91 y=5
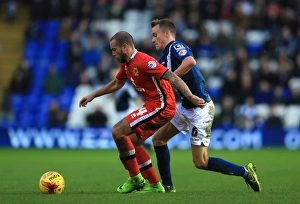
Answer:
x=174 y=53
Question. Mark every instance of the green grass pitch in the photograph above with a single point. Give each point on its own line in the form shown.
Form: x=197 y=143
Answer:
x=92 y=176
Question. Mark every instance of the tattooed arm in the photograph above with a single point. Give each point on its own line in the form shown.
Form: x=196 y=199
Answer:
x=181 y=86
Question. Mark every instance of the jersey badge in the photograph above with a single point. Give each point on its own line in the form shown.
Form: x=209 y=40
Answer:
x=135 y=71
x=151 y=64
x=182 y=52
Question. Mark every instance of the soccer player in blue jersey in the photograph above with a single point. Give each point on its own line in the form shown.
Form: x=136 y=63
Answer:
x=179 y=58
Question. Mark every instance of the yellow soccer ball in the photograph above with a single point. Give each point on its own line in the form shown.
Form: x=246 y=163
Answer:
x=52 y=182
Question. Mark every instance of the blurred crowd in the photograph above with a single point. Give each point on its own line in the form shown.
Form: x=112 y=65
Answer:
x=248 y=51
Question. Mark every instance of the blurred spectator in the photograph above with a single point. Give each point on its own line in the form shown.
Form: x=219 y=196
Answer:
x=226 y=9
x=296 y=67
x=177 y=16
x=263 y=92
x=280 y=96
x=97 y=118
x=65 y=29
x=226 y=119
x=294 y=98
x=247 y=114
x=247 y=86
x=231 y=82
x=273 y=12
x=205 y=46
x=136 y=5
x=57 y=117
x=284 y=70
x=38 y=10
x=84 y=79
x=11 y=10
x=117 y=9
x=33 y=32
x=210 y=9
x=6 y=113
x=91 y=56
x=222 y=40
x=241 y=15
x=21 y=79
x=266 y=73
x=241 y=61
x=270 y=47
x=55 y=10
x=74 y=53
x=82 y=35
x=73 y=8
x=257 y=19
x=72 y=75
x=287 y=43
x=273 y=120
x=238 y=38
x=86 y=9
x=101 y=10
x=193 y=17
x=53 y=82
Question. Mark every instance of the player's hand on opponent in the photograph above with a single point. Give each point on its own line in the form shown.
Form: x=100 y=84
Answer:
x=85 y=100
x=199 y=102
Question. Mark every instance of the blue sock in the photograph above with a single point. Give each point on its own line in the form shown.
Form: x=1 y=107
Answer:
x=225 y=167
x=163 y=163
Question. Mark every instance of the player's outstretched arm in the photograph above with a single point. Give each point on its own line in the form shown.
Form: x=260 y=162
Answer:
x=186 y=65
x=111 y=87
x=181 y=86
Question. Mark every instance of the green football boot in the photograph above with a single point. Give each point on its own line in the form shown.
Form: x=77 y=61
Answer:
x=251 y=179
x=170 y=189
x=133 y=183
x=153 y=188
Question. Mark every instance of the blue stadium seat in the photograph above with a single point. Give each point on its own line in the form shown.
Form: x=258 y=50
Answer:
x=32 y=102
x=31 y=44
x=41 y=119
x=215 y=94
x=25 y=119
x=254 y=49
x=17 y=102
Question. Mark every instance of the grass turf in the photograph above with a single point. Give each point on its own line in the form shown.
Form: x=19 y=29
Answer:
x=92 y=176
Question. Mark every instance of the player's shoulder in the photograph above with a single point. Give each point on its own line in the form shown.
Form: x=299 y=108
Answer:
x=146 y=59
x=180 y=48
x=177 y=45
x=141 y=56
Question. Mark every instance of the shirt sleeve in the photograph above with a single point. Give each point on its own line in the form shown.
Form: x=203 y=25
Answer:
x=152 y=67
x=181 y=51
x=121 y=74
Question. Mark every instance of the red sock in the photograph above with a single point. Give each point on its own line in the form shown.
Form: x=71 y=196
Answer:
x=127 y=155
x=145 y=165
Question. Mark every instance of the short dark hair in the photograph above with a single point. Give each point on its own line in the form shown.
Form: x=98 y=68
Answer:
x=165 y=24
x=123 y=37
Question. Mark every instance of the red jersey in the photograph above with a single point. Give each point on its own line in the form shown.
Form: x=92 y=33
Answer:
x=144 y=72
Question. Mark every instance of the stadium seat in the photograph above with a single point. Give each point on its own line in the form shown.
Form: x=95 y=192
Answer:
x=292 y=116
x=17 y=102
x=32 y=102
x=41 y=119
x=25 y=119
x=262 y=110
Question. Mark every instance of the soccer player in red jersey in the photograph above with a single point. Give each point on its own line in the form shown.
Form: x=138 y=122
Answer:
x=153 y=81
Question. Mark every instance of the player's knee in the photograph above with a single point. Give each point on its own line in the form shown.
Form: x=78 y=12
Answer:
x=158 y=142
x=200 y=164
x=114 y=132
